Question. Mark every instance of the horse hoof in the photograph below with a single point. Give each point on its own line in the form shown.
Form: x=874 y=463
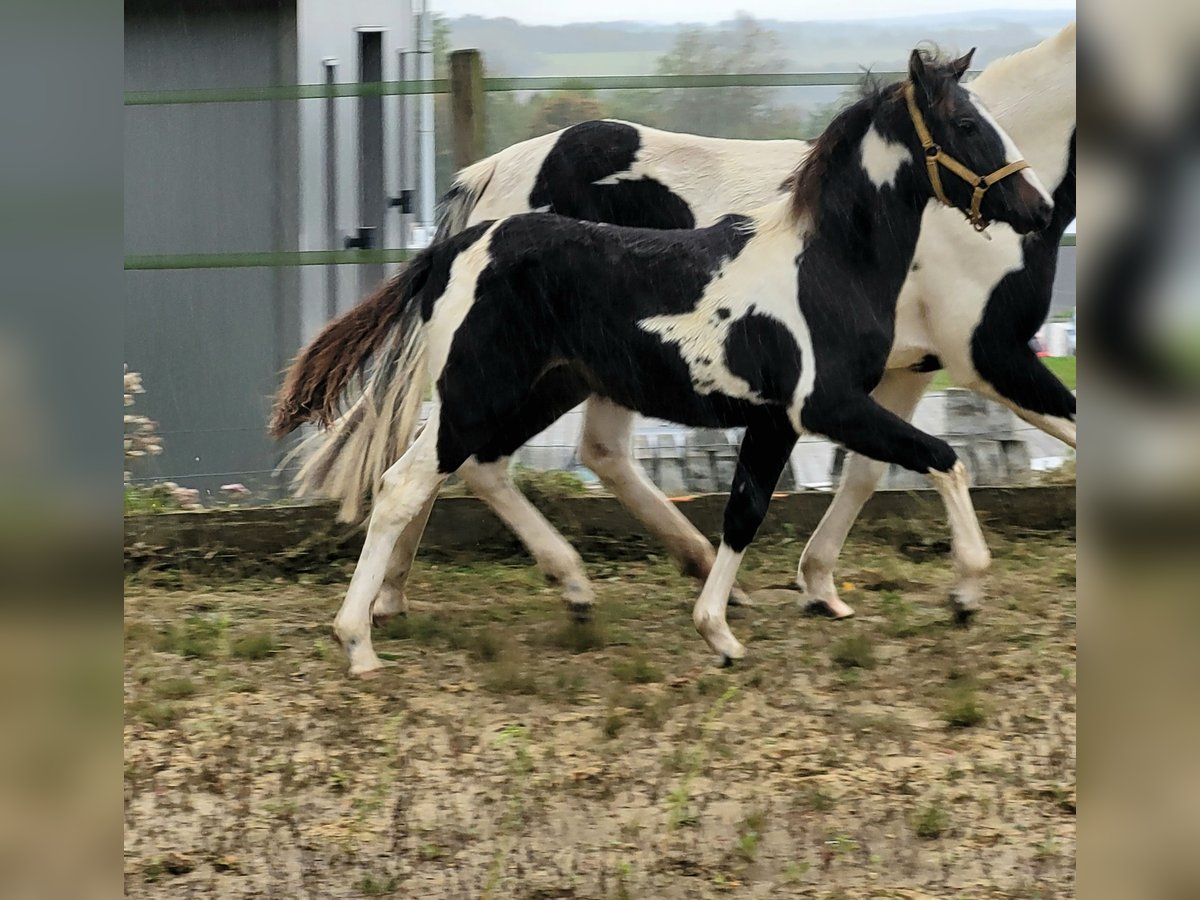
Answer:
x=826 y=610
x=964 y=612
x=581 y=613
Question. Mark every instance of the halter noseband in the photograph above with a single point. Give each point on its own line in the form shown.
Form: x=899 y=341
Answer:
x=935 y=156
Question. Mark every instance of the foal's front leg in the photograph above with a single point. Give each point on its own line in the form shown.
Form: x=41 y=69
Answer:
x=862 y=426
x=765 y=450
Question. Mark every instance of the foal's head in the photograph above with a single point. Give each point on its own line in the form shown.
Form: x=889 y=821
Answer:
x=978 y=166
x=931 y=138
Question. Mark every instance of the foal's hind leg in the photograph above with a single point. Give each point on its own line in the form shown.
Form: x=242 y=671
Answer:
x=899 y=391
x=407 y=487
x=392 y=599
x=606 y=447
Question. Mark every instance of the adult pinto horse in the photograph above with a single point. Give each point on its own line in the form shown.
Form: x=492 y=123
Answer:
x=969 y=304
x=780 y=321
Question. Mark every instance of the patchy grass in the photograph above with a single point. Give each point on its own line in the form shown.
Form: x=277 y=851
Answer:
x=507 y=752
x=857 y=651
x=636 y=670
x=175 y=688
x=932 y=822
x=963 y=708
x=252 y=646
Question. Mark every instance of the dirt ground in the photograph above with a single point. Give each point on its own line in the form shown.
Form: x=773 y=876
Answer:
x=507 y=753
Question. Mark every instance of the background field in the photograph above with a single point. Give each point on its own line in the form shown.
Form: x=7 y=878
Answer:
x=509 y=754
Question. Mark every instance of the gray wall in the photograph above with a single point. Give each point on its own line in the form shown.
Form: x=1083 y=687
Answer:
x=210 y=178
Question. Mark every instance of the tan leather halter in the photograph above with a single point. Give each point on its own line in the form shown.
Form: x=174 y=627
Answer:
x=935 y=156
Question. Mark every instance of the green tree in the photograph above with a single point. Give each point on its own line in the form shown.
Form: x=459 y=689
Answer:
x=740 y=112
x=559 y=109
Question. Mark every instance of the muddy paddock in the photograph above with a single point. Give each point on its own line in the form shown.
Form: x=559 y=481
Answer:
x=509 y=753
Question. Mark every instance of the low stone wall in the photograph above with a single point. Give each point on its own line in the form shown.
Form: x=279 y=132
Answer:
x=992 y=442
x=308 y=538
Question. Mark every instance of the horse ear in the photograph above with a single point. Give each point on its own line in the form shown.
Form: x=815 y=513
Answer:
x=923 y=76
x=959 y=66
x=917 y=70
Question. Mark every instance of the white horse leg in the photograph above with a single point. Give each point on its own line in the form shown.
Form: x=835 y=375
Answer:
x=899 y=391
x=606 y=447
x=708 y=614
x=407 y=487
x=557 y=559
x=392 y=599
x=1055 y=426
x=967 y=544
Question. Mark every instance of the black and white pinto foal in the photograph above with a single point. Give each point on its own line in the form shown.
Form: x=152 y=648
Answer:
x=968 y=304
x=780 y=321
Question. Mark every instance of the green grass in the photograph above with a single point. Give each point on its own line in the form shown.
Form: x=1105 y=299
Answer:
x=1062 y=366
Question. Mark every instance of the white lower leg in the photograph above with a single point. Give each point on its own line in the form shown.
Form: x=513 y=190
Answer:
x=1055 y=426
x=967 y=544
x=900 y=390
x=815 y=573
x=709 y=612
x=392 y=599
x=407 y=486
x=554 y=555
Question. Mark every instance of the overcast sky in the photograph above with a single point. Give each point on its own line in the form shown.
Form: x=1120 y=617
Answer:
x=561 y=11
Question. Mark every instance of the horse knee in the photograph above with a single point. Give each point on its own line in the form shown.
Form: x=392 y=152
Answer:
x=601 y=456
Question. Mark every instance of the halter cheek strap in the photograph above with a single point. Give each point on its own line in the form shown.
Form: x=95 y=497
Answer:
x=935 y=156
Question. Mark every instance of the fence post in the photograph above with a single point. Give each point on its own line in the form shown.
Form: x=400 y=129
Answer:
x=466 y=106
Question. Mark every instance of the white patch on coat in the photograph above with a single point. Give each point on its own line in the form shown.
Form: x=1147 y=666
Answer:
x=716 y=176
x=455 y=302
x=882 y=158
x=1011 y=152
x=760 y=280
x=1032 y=94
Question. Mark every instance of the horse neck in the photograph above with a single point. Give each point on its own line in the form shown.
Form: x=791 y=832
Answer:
x=1032 y=96
x=873 y=230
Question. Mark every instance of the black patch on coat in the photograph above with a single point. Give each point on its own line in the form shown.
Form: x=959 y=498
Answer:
x=558 y=288
x=760 y=350
x=590 y=152
x=1016 y=309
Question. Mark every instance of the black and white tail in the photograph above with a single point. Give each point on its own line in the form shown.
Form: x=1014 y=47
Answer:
x=363 y=380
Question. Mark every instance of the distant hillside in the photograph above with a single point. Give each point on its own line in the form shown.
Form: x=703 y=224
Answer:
x=629 y=48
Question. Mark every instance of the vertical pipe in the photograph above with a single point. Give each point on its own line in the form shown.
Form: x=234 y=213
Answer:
x=372 y=193
x=428 y=162
x=331 y=198
x=406 y=147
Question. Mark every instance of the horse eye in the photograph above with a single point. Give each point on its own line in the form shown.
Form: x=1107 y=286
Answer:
x=966 y=126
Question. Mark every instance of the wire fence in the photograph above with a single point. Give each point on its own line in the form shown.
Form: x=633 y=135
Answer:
x=297 y=92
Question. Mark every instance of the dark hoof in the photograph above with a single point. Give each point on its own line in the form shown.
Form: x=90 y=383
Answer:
x=726 y=662
x=963 y=616
x=581 y=613
x=820 y=609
